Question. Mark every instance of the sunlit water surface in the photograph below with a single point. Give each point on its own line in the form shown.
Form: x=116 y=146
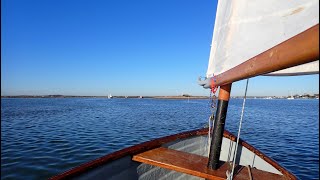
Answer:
x=43 y=137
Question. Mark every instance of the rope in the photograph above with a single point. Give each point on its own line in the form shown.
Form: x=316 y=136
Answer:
x=238 y=137
x=211 y=121
x=209 y=136
x=212 y=104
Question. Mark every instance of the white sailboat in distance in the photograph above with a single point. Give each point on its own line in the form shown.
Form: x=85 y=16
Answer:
x=291 y=97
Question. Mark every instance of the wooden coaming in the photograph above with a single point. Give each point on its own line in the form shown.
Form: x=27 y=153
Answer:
x=133 y=150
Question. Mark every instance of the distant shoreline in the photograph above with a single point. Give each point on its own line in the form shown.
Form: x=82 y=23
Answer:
x=113 y=97
x=150 y=97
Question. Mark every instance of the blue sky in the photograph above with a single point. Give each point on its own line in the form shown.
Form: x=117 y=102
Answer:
x=121 y=47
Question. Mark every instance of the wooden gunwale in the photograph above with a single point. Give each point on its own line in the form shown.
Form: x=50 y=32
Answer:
x=133 y=150
x=300 y=49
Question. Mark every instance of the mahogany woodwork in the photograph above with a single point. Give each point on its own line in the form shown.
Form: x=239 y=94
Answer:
x=196 y=165
x=224 y=92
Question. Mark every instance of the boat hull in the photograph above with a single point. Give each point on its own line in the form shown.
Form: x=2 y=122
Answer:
x=119 y=165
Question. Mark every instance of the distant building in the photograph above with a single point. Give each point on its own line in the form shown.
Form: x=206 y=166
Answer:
x=186 y=95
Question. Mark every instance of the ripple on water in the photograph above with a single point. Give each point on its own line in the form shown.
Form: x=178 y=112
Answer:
x=43 y=137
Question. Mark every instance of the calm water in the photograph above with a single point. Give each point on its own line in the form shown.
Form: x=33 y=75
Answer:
x=43 y=137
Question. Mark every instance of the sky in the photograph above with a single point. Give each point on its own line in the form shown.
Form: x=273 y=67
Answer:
x=118 y=47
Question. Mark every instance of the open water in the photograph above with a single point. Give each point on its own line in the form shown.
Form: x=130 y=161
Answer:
x=43 y=137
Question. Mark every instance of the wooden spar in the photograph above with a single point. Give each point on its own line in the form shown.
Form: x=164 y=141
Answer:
x=300 y=49
x=219 y=122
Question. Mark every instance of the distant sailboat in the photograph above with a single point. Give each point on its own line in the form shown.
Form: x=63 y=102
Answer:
x=291 y=97
x=109 y=96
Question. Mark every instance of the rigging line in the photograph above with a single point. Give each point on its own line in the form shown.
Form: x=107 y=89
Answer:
x=211 y=126
x=238 y=137
x=209 y=136
x=212 y=104
x=209 y=123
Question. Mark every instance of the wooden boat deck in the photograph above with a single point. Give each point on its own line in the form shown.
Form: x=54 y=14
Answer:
x=197 y=165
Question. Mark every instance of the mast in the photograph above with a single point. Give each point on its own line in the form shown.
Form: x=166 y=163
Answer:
x=219 y=122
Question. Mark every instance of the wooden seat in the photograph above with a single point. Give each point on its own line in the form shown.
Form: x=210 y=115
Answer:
x=197 y=165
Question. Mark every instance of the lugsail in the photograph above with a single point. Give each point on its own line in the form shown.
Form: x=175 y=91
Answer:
x=304 y=69
x=246 y=28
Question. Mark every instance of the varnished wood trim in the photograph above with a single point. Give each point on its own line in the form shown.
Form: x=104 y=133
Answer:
x=224 y=92
x=157 y=143
x=196 y=165
x=300 y=49
x=180 y=161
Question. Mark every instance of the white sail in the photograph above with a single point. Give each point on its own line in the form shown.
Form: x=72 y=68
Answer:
x=246 y=28
x=309 y=68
